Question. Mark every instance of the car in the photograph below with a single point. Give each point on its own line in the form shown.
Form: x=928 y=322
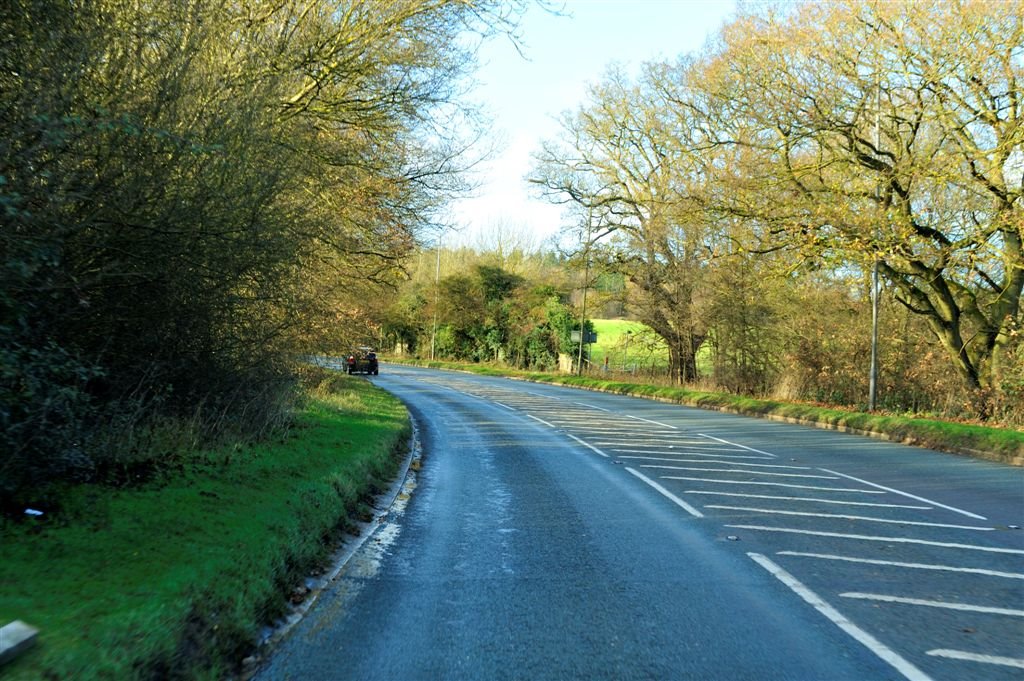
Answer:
x=363 y=361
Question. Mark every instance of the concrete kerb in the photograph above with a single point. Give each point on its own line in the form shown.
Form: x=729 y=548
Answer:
x=383 y=504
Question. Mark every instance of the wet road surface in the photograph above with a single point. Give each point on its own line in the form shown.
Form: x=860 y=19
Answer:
x=560 y=534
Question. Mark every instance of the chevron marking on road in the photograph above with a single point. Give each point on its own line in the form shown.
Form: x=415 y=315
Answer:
x=974 y=657
x=894 y=540
x=911 y=496
x=668 y=495
x=894 y=521
x=770 y=484
x=740 y=470
x=912 y=566
x=967 y=607
x=840 y=502
x=864 y=638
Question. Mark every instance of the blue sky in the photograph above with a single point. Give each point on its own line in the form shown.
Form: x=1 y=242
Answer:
x=563 y=54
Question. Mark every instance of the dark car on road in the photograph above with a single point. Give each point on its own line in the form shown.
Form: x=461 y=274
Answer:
x=363 y=362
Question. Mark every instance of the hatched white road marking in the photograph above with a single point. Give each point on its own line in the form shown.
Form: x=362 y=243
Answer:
x=967 y=607
x=657 y=423
x=587 y=444
x=864 y=638
x=864 y=537
x=739 y=470
x=974 y=657
x=664 y=492
x=735 y=444
x=911 y=496
x=724 y=463
x=913 y=566
x=839 y=502
x=771 y=484
x=894 y=521
x=549 y=425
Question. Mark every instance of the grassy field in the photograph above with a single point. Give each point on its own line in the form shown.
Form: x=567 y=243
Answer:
x=174 y=579
x=627 y=345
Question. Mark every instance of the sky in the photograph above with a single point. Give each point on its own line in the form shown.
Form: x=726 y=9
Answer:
x=562 y=55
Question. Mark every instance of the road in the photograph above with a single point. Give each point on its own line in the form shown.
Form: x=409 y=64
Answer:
x=563 y=534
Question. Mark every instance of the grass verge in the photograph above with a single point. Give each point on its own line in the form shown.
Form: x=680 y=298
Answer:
x=174 y=580
x=1005 y=445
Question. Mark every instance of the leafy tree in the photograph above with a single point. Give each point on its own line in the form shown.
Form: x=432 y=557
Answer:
x=890 y=132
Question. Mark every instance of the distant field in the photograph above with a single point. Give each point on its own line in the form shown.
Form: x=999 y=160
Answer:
x=626 y=343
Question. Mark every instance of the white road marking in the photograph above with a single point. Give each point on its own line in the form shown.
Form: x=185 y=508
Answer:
x=894 y=521
x=738 y=470
x=591 y=406
x=736 y=444
x=934 y=604
x=770 y=484
x=657 y=423
x=588 y=445
x=863 y=537
x=725 y=463
x=913 y=566
x=664 y=442
x=974 y=657
x=911 y=496
x=549 y=425
x=682 y=452
x=504 y=405
x=810 y=499
x=668 y=495
x=864 y=638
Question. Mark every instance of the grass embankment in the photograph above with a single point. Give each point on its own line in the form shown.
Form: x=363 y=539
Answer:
x=174 y=579
x=996 y=444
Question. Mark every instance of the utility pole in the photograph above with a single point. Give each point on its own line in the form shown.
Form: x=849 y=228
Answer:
x=586 y=285
x=437 y=293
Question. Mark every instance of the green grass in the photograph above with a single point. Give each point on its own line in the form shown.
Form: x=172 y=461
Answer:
x=175 y=579
x=626 y=343
x=997 y=444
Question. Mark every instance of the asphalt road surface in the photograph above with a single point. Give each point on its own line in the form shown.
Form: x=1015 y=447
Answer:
x=563 y=534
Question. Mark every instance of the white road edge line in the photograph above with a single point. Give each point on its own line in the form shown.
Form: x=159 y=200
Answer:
x=549 y=425
x=912 y=496
x=657 y=423
x=668 y=495
x=864 y=638
x=865 y=537
x=736 y=444
x=974 y=657
x=913 y=566
x=967 y=607
x=587 y=445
